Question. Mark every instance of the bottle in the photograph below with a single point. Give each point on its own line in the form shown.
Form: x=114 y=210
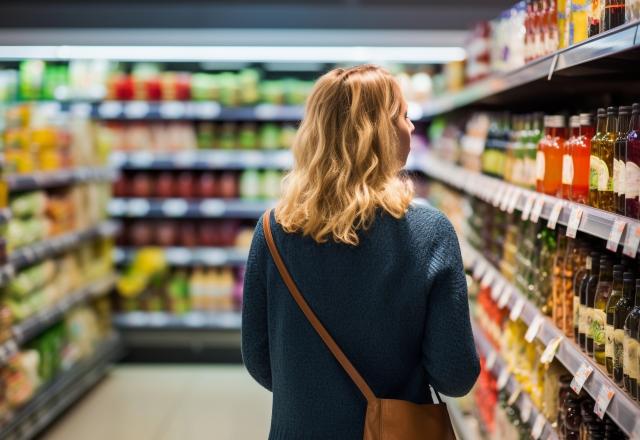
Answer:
x=587 y=293
x=552 y=146
x=540 y=158
x=557 y=291
x=605 y=150
x=631 y=344
x=567 y=158
x=598 y=313
x=621 y=310
x=610 y=308
x=596 y=165
x=581 y=153
x=581 y=272
x=594 y=17
x=632 y=166
x=619 y=155
x=613 y=15
x=533 y=135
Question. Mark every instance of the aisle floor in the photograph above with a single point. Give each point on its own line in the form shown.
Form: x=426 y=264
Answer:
x=169 y=403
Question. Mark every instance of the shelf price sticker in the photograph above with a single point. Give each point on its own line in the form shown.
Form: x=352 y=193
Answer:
x=514 y=396
x=185 y=158
x=516 y=310
x=614 y=236
x=173 y=110
x=503 y=378
x=528 y=205
x=513 y=201
x=536 y=211
x=574 y=222
x=506 y=196
x=497 y=195
x=555 y=214
x=213 y=208
x=479 y=270
x=605 y=395
x=525 y=410
x=175 y=207
x=505 y=296
x=534 y=328
x=538 y=426
x=581 y=377
x=136 y=109
x=497 y=289
x=488 y=278
x=550 y=351
x=141 y=159
x=138 y=207
x=631 y=243
x=491 y=359
x=205 y=110
x=110 y=109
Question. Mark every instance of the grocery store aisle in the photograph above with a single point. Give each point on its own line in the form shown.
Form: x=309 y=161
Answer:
x=167 y=403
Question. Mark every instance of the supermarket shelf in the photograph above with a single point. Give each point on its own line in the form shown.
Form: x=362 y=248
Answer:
x=205 y=208
x=203 y=160
x=192 y=320
x=182 y=256
x=187 y=110
x=600 y=46
x=34 y=325
x=54 y=398
x=31 y=254
x=485 y=348
x=594 y=222
x=49 y=179
x=623 y=410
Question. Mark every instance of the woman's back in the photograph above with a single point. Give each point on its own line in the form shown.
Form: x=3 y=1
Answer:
x=396 y=304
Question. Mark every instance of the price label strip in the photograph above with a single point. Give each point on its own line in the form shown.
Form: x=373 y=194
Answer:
x=491 y=360
x=513 y=201
x=604 y=399
x=516 y=311
x=525 y=410
x=514 y=396
x=538 y=426
x=614 y=236
x=574 y=222
x=505 y=198
x=488 y=278
x=631 y=243
x=479 y=270
x=534 y=328
x=497 y=196
x=504 y=298
x=550 y=351
x=555 y=214
x=528 y=205
x=537 y=209
x=497 y=290
x=503 y=379
x=581 y=377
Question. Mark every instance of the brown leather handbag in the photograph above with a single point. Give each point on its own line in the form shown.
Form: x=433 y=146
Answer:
x=386 y=419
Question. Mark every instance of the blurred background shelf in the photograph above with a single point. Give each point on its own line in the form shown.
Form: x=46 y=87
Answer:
x=50 y=179
x=203 y=160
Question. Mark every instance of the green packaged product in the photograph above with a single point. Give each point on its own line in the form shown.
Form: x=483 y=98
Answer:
x=270 y=136
x=248 y=137
x=229 y=89
x=178 y=291
x=28 y=204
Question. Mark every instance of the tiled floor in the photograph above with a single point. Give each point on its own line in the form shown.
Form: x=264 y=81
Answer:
x=167 y=403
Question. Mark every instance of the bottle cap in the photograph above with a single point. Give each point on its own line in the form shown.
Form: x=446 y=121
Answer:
x=574 y=121
x=586 y=119
x=624 y=109
x=635 y=108
x=628 y=276
x=556 y=121
x=602 y=112
x=611 y=111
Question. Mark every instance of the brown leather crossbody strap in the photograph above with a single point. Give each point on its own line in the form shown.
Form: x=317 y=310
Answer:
x=313 y=319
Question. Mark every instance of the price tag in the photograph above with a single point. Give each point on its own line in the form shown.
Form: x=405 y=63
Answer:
x=213 y=257
x=206 y=110
x=110 y=109
x=514 y=396
x=516 y=311
x=581 y=377
x=574 y=222
x=498 y=194
x=555 y=214
x=534 y=328
x=528 y=205
x=117 y=207
x=537 y=209
x=503 y=378
x=252 y=159
x=604 y=399
x=282 y=159
x=614 y=236
x=175 y=207
x=498 y=289
x=513 y=201
x=538 y=426
x=550 y=351
x=491 y=359
x=504 y=298
x=488 y=278
x=213 y=208
x=479 y=270
x=267 y=111
x=173 y=110
x=138 y=207
x=525 y=410
x=506 y=197
x=185 y=159
x=136 y=110
x=142 y=159
x=178 y=256
x=632 y=241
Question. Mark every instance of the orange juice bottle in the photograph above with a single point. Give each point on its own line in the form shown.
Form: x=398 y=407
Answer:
x=553 y=149
x=581 y=155
x=567 y=159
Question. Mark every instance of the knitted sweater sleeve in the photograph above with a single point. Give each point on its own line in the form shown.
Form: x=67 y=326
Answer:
x=255 y=332
x=449 y=355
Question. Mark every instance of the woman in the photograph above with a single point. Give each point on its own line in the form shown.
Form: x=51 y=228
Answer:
x=384 y=276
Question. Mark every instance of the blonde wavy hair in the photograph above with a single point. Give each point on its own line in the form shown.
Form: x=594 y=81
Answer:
x=346 y=163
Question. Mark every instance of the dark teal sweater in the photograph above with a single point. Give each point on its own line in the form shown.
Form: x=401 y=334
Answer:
x=396 y=304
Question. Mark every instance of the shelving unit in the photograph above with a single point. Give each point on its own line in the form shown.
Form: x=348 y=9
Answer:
x=181 y=208
x=524 y=400
x=203 y=160
x=181 y=256
x=623 y=410
x=49 y=179
x=54 y=398
x=220 y=320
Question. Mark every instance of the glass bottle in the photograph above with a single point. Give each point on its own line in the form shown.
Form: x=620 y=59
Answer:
x=596 y=165
x=587 y=295
x=598 y=313
x=557 y=291
x=540 y=157
x=632 y=166
x=605 y=153
x=573 y=261
x=610 y=308
x=544 y=273
x=581 y=272
x=567 y=158
x=613 y=15
x=619 y=154
x=534 y=134
x=621 y=312
x=630 y=360
x=581 y=154
x=552 y=145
